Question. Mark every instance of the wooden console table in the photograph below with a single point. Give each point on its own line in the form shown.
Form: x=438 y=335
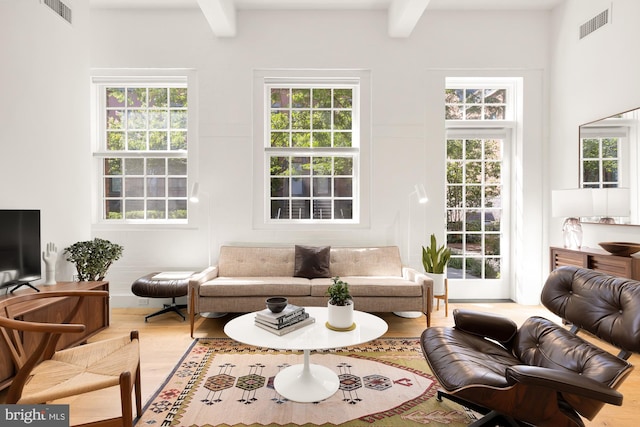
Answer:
x=598 y=260
x=94 y=314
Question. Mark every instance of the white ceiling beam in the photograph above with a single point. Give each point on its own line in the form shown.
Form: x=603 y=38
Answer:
x=403 y=15
x=221 y=16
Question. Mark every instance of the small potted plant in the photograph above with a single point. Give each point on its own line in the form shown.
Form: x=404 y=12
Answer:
x=340 y=305
x=93 y=258
x=435 y=260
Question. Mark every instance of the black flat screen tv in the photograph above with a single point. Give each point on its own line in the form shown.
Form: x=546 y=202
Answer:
x=19 y=247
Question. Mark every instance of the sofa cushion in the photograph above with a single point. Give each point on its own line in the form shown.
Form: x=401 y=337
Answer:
x=366 y=286
x=312 y=261
x=366 y=261
x=246 y=261
x=267 y=286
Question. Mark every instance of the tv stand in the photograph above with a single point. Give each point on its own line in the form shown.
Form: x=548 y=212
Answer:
x=19 y=284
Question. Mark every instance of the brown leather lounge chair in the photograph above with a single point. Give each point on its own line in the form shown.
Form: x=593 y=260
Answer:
x=542 y=373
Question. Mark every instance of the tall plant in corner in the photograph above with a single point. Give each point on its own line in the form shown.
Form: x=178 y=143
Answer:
x=93 y=258
x=435 y=260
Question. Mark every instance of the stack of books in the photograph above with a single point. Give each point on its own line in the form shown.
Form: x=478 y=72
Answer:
x=288 y=320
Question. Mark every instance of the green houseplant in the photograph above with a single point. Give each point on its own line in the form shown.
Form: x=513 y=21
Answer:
x=435 y=260
x=93 y=258
x=338 y=293
x=340 y=305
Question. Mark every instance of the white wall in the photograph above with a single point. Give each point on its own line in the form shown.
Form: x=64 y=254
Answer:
x=591 y=78
x=407 y=110
x=407 y=140
x=44 y=158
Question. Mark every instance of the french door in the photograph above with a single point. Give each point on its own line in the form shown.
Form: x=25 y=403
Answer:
x=477 y=212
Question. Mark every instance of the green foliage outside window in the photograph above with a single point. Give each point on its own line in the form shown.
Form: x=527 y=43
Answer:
x=140 y=119
x=305 y=185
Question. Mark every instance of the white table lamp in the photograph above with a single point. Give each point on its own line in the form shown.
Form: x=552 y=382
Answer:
x=611 y=202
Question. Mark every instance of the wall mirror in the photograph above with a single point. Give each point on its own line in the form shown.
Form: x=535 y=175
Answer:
x=609 y=162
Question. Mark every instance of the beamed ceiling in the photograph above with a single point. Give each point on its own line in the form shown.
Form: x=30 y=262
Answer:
x=402 y=15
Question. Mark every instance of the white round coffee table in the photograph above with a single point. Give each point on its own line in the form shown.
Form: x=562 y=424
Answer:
x=307 y=382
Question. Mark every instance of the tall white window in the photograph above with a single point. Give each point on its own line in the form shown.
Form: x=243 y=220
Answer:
x=312 y=151
x=142 y=140
x=479 y=119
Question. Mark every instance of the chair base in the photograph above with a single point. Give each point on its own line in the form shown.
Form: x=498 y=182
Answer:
x=489 y=419
x=173 y=307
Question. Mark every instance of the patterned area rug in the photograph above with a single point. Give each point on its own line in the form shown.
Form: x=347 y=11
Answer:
x=220 y=382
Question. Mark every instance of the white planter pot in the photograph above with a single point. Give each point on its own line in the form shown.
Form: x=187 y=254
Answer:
x=340 y=316
x=438 y=282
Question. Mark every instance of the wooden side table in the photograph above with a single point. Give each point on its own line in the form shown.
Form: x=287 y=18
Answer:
x=596 y=259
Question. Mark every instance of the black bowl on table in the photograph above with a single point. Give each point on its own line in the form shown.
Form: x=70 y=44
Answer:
x=276 y=304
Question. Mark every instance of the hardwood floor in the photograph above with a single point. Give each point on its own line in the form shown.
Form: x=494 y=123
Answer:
x=164 y=339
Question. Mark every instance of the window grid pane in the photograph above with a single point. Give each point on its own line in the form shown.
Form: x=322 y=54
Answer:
x=600 y=162
x=146 y=193
x=311 y=187
x=474 y=207
x=475 y=104
x=144 y=119
x=304 y=184
x=310 y=117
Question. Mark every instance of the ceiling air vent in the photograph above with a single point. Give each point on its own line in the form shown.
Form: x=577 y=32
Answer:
x=594 y=23
x=59 y=8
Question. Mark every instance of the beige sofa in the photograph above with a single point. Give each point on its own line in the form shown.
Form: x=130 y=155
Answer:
x=245 y=276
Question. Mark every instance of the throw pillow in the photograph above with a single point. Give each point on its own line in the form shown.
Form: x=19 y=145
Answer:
x=312 y=261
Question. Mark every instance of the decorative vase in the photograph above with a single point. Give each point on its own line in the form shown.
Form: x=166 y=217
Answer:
x=572 y=233
x=340 y=316
x=438 y=282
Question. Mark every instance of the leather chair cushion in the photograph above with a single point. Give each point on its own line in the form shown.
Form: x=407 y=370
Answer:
x=541 y=342
x=489 y=325
x=606 y=306
x=459 y=359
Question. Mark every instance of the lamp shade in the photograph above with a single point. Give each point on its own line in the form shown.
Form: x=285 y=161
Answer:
x=573 y=203
x=608 y=202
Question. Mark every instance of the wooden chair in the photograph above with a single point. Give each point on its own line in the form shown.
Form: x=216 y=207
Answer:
x=44 y=374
